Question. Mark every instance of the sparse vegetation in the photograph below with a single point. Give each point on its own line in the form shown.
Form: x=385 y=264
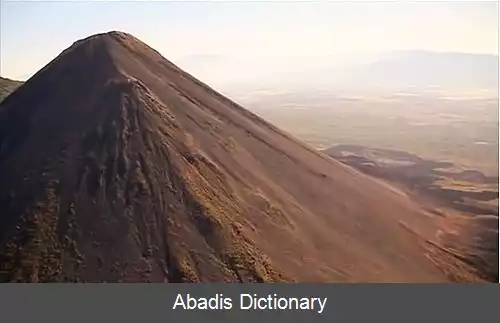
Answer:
x=135 y=171
x=7 y=86
x=34 y=252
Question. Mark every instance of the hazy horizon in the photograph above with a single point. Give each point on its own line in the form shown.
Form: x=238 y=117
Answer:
x=228 y=43
x=337 y=141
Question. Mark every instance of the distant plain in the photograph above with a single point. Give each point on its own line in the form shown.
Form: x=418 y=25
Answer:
x=461 y=130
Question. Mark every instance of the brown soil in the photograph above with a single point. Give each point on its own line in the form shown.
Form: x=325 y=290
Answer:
x=465 y=202
x=118 y=166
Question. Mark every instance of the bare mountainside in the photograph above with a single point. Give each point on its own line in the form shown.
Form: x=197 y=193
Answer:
x=7 y=86
x=118 y=166
x=467 y=200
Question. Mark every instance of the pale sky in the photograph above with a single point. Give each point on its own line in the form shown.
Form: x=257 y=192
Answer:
x=34 y=32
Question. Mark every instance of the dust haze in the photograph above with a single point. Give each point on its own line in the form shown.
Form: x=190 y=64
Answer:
x=249 y=142
x=425 y=122
x=441 y=105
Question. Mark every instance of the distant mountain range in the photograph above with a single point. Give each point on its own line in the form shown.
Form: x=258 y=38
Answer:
x=421 y=69
x=415 y=70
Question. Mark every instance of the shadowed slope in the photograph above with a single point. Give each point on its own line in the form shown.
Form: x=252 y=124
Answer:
x=116 y=165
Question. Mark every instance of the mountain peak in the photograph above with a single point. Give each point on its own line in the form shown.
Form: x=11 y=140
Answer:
x=106 y=36
x=118 y=166
x=93 y=61
x=112 y=44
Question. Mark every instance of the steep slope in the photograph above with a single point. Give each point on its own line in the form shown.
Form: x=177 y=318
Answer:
x=118 y=166
x=7 y=86
x=466 y=201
